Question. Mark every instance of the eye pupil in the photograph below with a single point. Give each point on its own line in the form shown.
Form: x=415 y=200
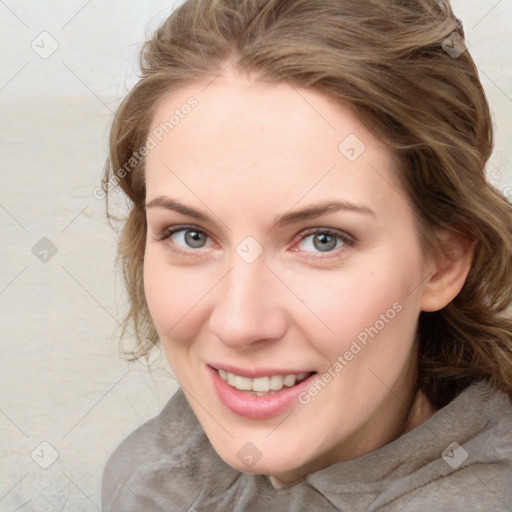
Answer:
x=195 y=239
x=324 y=242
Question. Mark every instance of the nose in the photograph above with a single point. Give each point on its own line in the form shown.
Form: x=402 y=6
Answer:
x=248 y=308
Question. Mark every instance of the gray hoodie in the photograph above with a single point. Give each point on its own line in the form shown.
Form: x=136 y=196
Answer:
x=458 y=460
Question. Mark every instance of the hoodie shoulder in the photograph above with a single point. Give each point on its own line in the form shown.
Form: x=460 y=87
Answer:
x=149 y=445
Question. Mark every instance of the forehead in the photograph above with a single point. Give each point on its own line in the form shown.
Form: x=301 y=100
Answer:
x=286 y=142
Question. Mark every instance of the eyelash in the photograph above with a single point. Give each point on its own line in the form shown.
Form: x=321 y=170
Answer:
x=168 y=232
x=346 y=239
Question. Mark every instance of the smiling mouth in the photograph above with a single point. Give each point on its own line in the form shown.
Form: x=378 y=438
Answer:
x=262 y=386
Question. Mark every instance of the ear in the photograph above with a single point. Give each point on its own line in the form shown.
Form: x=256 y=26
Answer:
x=448 y=270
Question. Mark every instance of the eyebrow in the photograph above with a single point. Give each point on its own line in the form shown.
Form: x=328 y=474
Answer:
x=171 y=204
x=307 y=213
x=314 y=211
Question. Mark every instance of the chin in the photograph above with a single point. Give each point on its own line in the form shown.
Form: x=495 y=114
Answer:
x=249 y=459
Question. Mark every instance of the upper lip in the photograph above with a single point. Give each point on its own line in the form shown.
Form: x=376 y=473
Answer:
x=254 y=373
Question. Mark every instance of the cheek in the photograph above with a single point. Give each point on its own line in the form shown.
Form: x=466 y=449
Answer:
x=366 y=316
x=175 y=296
x=157 y=289
x=349 y=301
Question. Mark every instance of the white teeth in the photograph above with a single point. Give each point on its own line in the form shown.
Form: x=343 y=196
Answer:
x=276 y=382
x=261 y=385
x=243 y=383
x=289 y=380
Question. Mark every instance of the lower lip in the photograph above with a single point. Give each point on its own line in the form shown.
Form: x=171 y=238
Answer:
x=257 y=407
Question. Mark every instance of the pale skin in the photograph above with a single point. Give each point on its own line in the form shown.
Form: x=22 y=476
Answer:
x=249 y=154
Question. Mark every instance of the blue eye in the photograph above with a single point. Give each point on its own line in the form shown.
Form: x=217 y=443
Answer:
x=193 y=239
x=323 y=241
x=189 y=239
x=186 y=238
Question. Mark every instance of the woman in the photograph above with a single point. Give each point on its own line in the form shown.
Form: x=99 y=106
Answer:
x=313 y=241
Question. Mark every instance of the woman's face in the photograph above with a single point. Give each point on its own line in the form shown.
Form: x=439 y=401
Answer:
x=280 y=244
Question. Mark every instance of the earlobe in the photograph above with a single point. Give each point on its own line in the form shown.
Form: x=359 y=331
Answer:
x=449 y=269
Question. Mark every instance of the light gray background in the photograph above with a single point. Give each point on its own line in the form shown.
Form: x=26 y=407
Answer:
x=64 y=383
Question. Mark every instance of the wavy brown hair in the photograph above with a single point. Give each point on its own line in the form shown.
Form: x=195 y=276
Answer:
x=388 y=60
